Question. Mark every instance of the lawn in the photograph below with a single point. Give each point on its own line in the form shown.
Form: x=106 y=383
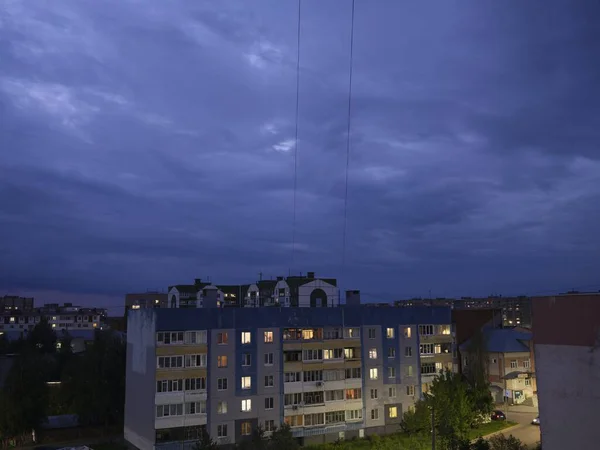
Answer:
x=491 y=427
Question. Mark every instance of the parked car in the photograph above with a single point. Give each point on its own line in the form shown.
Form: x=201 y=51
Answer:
x=536 y=421
x=498 y=415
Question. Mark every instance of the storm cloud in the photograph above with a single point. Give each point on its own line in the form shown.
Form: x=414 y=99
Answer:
x=145 y=143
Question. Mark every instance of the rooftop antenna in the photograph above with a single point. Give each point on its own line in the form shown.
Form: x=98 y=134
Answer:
x=260 y=274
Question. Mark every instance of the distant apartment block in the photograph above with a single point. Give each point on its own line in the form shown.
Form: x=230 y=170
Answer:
x=292 y=291
x=15 y=303
x=60 y=317
x=330 y=373
x=566 y=337
x=150 y=299
x=516 y=311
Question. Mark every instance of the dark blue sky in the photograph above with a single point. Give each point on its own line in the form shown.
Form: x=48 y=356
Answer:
x=145 y=143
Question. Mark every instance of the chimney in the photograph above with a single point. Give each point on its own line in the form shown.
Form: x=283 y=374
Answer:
x=310 y=275
x=352 y=298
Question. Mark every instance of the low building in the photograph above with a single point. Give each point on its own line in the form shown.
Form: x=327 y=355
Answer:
x=330 y=373
x=60 y=317
x=566 y=336
x=511 y=364
x=150 y=299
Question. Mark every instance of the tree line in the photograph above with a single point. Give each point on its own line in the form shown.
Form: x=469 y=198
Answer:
x=48 y=379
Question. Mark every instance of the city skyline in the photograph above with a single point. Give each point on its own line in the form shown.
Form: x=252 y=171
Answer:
x=150 y=146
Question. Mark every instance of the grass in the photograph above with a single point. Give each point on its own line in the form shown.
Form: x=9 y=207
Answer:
x=491 y=427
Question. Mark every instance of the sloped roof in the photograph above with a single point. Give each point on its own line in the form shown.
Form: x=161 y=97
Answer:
x=189 y=288
x=504 y=340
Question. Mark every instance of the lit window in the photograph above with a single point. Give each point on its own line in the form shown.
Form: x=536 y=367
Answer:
x=268 y=337
x=390 y=333
x=393 y=412
x=308 y=334
x=246 y=338
x=135 y=306
x=12 y=320
x=373 y=374
x=407 y=332
x=222 y=408
x=373 y=353
x=246 y=382
x=246 y=429
x=409 y=371
x=222 y=338
x=221 y=361
x=246 y=405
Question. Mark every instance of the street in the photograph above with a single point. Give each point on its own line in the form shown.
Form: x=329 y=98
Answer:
x=528 y=434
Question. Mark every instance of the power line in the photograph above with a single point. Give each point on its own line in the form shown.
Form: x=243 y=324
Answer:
x=348 y=137
x=296 y=133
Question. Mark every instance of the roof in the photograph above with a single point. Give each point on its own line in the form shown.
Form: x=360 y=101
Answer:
x=504 y=340
x=189 y=288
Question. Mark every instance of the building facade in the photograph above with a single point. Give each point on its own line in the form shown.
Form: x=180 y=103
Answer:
x=566 y=336
x=10 y=303
x=329 y=373
x=150 y=299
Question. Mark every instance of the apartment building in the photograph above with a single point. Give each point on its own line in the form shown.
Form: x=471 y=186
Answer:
x=329 y=373
x=15 y=303
x=60 y=317
x=150 y=299
x=566 y=337
x=292 y=291
x=516 y=311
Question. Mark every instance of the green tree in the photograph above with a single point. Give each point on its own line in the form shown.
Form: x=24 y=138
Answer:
x=501 y=442
x=453 y=408
x=205 y=442
x=24 y=399
x=476 y=373
x=95 y=383
x=480 y=444
x=283 y=439
x=417 y=420
x=42 y=337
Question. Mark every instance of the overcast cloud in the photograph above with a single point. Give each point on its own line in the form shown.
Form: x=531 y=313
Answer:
x=145 y=143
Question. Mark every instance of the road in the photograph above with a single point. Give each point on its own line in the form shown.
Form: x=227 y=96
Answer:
x=528 y=434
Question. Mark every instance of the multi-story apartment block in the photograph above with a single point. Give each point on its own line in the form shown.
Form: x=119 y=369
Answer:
x=516 y=311
x=329 y=373
x=15 y=303
x=150 y=299
x=65 y=317
x=291 y=291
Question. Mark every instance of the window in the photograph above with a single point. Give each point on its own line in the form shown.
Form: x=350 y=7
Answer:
x=393 y=412
x=247 y=405
x=373 y=353
x=246 y=360
x=169 y=386
x=426 y=349
x=195 y=407
x=221 y=431
x=353 y=394
x=351 y=332
x=195 y=337
x=269 y=381
x=410 y=390
x=246 y=338
x=513 y=364
x=269 y=426
x=292 y=399
x=222 y=407
x=221 y=361
x=334 y=396
x=351 y=353
x=168 y=362
x=374 y=414
x=313 y=375
x=312 y=355
x=354 y=414
x=391 y=372
x=389 y=333
x=374 y=394
x=428 y=368
x=222 y=384
x=527 y=382
x=333 y=333
x=269 y=401
x=494 y=361
x=408 y=352
x=314 y=398
x=444 y=330
x=268 y=359
x=333 y=353
x=392 y=392
x=165 y=338
x=292 y=377
x=308 y=334
x=391 y=352
x=246 y=382
x=195 y=384
x=246 y=429
x=335 y=417
x=314 y=419
x=371 y=333
x=353 y=373
x=294 y=421
x=268 y=337
x=373 y=374
x=426 y=330
x=169 y=410
x=407 y=332
x=222 y=338
x=527 y=364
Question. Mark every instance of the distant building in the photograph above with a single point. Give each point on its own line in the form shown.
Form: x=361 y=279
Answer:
x=60 y=317
x=516 y=311
x=292 y=291
x=150 y=299
x=566 y=335
x=15 y=303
